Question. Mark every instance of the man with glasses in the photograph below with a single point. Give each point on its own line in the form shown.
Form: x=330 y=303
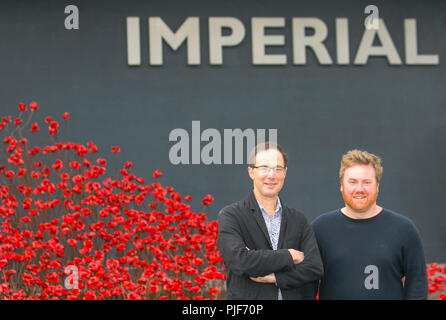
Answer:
x=269 y=250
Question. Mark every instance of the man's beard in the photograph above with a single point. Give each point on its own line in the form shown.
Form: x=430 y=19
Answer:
x=363 y=205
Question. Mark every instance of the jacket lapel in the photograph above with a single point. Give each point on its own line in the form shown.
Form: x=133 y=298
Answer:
x=254 y=206
x=283 y=224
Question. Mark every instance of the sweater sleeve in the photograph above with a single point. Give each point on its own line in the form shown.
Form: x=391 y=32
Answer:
x=415 y=285
x=239 y=259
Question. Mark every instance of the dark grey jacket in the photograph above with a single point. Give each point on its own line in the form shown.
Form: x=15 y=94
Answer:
x=242 y=225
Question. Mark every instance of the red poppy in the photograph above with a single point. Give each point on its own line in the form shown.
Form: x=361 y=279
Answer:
x=22 y=107
x=53 y=127
x=213 y=291
x=25 y=219
x=3 y=263
x=34 y=106
x=9 y=174
x=46 y=171
x=52 y=277
x=90 y=295
x=108 y=219
x=34 y=212
x=195 y=289
x=133 y=296
x=207 y=200
x=34 y=151
x=157 y=174
x=101 y=161
x=153 y=289
x=21 y=172
x=72 y=242
x=58 y=165
x=75 y=165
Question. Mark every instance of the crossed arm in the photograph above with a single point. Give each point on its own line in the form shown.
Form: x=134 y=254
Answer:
x=298 y=257
x=288 y=268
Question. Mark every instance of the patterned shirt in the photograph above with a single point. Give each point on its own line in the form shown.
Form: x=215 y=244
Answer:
x=273 y=226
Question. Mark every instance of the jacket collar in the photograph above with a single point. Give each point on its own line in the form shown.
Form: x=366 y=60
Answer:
x=255 y=210
x=252 y=202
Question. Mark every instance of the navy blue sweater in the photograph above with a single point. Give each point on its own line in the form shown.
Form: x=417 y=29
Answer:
x=368 y=258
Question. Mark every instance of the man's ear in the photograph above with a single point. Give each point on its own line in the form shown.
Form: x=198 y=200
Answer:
x=251 y=172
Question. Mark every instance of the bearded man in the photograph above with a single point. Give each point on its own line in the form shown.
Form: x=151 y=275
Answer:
x=368 y=252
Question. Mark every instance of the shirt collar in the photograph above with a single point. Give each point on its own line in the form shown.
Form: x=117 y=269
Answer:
x=278 y=206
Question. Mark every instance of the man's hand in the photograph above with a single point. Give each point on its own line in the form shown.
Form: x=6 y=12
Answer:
x=271 y=278
x=298 y=256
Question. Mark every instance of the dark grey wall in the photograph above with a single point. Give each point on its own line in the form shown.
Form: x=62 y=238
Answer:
x=397 y=112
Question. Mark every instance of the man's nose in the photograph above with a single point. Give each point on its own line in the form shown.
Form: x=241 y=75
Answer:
x=271 y=171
